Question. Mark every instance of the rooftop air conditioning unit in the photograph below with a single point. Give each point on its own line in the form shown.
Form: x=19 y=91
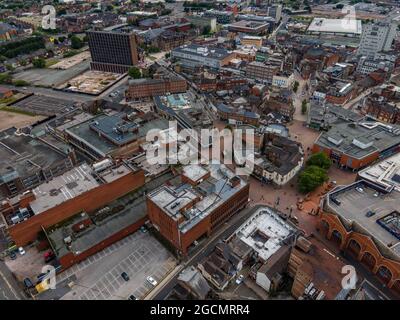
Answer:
x=67 y=240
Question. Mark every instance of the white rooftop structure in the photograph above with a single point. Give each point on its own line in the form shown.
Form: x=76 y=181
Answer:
x=385 y=174
x=265 y=232
x=194 y=172
x=343 y=26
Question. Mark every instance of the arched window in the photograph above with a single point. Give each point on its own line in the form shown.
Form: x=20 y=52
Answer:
x=337 y=237
x=324 y=227
x=354 y=248
x=384 y=274
x=368 y=260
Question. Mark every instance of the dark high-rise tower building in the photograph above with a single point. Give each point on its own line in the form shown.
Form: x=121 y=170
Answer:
x=112 y=51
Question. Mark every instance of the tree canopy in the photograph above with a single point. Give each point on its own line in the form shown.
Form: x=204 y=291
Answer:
x=39 y=63
x=311 y=178
x=134 y=73
x=319 y=159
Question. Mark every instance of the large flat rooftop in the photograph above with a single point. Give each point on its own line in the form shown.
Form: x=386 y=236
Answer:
x=265 y=232
x=197 y=201
x=345 y=26
x=202 y=51
x=22 y=155
x=99 y=230
x=101 y=133
x=353 y=208
x=63 y=188
x=360 y=139
x=385 y=174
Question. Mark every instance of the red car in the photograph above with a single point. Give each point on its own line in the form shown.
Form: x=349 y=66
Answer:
x=48 y=256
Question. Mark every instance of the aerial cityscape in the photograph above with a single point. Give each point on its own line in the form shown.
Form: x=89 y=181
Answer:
x=229 y=150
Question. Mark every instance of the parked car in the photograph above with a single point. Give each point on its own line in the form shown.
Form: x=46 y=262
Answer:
x=369 y=213
x=125 y=276
x=48 y=256
x=336 y=201
x=151 y=280
x=132 y=297
x=21 y=251
x=13 y=256
x=359 y=189
x=28 y=283
x=239 y=279
x=377 y=194
x=143 y=229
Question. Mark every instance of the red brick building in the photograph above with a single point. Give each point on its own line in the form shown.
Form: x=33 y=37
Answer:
x=78 y=190
x=195 y=203
x=145 y=88
x=356 y=145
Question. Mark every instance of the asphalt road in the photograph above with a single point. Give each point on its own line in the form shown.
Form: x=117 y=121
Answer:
x=9 y=289
x=208 y=247
x=53 y=93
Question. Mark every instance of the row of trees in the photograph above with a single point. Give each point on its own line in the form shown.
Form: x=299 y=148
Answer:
x=25 y=46
x=315 y=173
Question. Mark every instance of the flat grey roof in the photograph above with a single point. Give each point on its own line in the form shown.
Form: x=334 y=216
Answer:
x=354 y=206
x=203 y=51
x=85 y=133
x=211 y=193
x=336 y=26
x=386 y=173
x=22 y=155
x=63 y=188
x=360 y=139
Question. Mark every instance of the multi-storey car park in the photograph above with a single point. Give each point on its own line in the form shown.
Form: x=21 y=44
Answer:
x=363 y=218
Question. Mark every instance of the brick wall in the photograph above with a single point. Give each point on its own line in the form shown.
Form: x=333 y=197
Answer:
x=70 y=259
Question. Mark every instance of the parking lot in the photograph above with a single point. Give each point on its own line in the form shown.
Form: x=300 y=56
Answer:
x=99 y=277
x=43 y=105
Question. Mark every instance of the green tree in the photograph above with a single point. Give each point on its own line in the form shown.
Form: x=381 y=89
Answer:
x=20 y=83
x=76 y=42
x=39 y=63
x=311 y=178
x=5 y=78
x=319 y=159
x=304 y=107
x=206 y=30
x=134 y=73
